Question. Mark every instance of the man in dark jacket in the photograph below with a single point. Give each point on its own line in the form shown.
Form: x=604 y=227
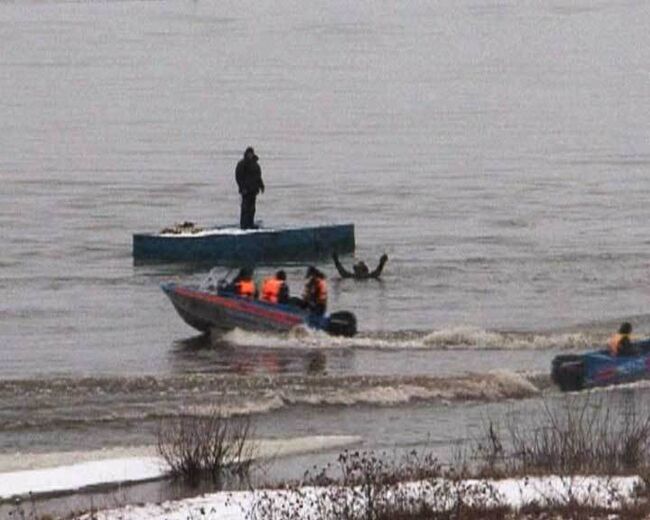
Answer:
x=249 y=180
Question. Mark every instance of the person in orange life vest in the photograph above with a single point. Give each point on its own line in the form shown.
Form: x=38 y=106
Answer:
x=243 y=284
x=275 y=288
x=620 y=344
x=314 y=296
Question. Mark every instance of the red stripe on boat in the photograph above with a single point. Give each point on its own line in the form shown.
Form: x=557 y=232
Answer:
x=606 y=374
x=242 y=306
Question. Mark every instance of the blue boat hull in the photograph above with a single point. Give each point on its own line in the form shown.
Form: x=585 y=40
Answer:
x=232 y=246
x=576 y=372
x=209 y=311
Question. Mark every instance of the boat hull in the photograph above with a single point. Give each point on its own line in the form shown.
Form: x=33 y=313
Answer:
x=208 y=311
x=234 y=246
x=577 y=372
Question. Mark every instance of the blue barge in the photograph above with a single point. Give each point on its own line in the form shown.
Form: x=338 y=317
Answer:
x=231 y=245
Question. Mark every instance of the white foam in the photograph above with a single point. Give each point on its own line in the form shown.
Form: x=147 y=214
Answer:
x=476 y=338
x=250 y=407
x=491 y=386
x=513 y=381
x=299 y=337
x=456 y=338
x=382 y=391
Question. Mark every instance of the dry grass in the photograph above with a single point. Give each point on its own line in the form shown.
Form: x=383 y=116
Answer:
x=570 y=437
x=577 y=435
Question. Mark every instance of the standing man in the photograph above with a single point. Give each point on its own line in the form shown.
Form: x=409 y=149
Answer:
x=249 y=180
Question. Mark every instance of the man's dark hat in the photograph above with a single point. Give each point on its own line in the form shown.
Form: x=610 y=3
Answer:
x=249 y=150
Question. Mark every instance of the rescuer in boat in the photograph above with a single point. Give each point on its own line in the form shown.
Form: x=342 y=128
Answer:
x=242 y=284
x=248 y=175
x=275 y=288
x=314 y=296
x=620 y=343
x=360 y=270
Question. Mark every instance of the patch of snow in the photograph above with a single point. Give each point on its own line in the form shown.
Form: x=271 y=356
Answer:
x=80 y=475
x=513 y=492
x=108 y=467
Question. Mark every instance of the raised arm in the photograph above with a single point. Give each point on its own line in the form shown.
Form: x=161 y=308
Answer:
x=382 y=262
x=342 y=271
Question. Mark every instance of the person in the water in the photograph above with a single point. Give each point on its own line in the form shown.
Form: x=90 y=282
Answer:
x=360 y=270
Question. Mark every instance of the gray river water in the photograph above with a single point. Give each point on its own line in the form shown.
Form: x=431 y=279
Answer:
x=498 y=151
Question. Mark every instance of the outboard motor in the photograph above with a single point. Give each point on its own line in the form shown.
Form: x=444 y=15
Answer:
x=567 y=371
x=342 y=323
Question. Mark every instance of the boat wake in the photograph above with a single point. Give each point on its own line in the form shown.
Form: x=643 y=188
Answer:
x=453 y=338
x=102 y=401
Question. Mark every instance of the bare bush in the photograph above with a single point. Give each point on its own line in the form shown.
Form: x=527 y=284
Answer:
x=576 y=435
x=368 y=486
x=199 y=446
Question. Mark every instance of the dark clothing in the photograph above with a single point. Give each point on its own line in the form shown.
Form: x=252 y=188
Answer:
x=315 y=295
x=317 y=308
x=360 y=271
x=627 y=348
x=247 y=214
x=248 y=175
x=283 y=297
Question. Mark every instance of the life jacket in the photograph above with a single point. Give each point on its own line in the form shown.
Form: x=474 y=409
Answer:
x=271 y=290
x=315 y=291
x=245 y=288
x=615 y=343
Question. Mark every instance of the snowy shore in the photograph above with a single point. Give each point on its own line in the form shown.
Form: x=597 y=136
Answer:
x=241 y=505
x=103 y=467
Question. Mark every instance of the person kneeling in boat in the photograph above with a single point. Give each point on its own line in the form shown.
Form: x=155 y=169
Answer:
x=275 y=289
x=360 y=270
x=314 y=296
x=243 y=284
x=620 y=343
